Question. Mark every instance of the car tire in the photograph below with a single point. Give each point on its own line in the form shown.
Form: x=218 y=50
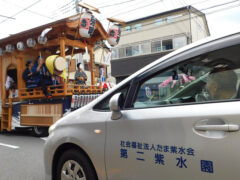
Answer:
x=40 y=131
x=74 y=165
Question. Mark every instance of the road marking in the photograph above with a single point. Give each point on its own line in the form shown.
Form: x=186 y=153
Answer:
x=44 y=139
x=8 y=145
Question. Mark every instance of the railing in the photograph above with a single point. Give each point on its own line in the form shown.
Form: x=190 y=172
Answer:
x=59 y=90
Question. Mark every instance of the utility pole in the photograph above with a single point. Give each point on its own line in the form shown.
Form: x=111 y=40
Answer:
x=76 y=6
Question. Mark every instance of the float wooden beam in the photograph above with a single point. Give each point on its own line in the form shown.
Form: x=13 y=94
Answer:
x=1 y=80
x=91 y=53
x=62 y=47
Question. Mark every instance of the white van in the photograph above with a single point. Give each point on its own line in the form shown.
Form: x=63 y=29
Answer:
x=177 y=118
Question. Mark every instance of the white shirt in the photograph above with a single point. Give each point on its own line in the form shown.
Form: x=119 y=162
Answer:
x=9 y=82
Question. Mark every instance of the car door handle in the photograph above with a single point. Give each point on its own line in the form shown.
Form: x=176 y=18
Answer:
x=220 y=127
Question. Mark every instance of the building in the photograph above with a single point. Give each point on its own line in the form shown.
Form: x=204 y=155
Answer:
x=101 y=69
x=146 y=39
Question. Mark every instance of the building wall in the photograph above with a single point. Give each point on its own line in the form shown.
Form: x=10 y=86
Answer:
x=199 y=29
x=99 y=56
x=154 y=28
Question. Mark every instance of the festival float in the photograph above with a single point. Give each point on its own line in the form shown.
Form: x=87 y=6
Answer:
x=54 y=41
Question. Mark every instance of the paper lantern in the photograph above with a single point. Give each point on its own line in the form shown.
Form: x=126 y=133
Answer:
x=87 y=25
x=10 y=48
x=31 y=42
x=21 y=46
x=113 y=35
x=1 y=51
x=42 y=40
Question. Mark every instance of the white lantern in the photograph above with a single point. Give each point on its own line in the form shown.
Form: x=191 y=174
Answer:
x=31 y=42
x=1 y=52
x=9 y=48
x=87 y=25
x=21 y=46
x=42 y=39
x=113 y=35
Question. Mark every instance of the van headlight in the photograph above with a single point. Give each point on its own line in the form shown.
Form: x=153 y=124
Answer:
x=51 y=128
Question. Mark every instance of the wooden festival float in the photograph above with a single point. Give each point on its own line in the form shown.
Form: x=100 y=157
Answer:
x=66 y=37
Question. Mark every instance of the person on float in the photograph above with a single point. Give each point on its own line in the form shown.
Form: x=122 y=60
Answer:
x=28 y=75
x=41 y=75
x=80 y=76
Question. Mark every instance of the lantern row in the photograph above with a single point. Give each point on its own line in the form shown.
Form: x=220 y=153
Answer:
x=87 y=24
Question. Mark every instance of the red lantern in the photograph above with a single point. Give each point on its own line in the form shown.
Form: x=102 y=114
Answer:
x=113 y=35
x=87 y=25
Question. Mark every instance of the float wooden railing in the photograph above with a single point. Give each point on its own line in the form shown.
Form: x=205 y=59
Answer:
x=59 y=90
x=6 y=121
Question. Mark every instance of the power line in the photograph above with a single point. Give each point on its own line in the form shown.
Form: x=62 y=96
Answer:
x=223 y=9
x=220 y=5
x=33 y=12
x=6 y=17
x=24 y=9
x=116 y=4
x=138 y=8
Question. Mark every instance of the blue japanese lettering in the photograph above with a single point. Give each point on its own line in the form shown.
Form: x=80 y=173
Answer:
x=128 y=144
x=123 y=153
x=207 y=166
x=140 y=159
x=159 y=159
x=153 y=148
x=134 y=145
x=159 y=147
x=181 y=150
x=173 y=149
x=122 y=143
x=139 y=145
x=181 y=162
x=146 y=146
x=166 y=148
x=190 y=152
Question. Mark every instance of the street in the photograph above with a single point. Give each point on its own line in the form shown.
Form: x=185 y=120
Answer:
x=21 y=156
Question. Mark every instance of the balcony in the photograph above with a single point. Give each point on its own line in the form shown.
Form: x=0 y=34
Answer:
x=59 y=91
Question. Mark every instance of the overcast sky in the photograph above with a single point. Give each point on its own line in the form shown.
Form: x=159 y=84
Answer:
x=32 y=13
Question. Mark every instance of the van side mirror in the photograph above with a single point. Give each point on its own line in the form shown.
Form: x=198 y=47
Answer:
x=114 y=105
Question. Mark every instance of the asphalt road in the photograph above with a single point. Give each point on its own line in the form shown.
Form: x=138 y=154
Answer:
x=21 y=156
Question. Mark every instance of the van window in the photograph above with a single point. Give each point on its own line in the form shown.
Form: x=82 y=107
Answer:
x=104 y=104
x=210 y=77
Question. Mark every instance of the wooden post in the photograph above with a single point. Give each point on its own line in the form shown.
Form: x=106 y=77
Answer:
x=91 y=52
x=62 y=53
x=20 y=68
x=62 y=46
x=2 y=81
x=10 y=112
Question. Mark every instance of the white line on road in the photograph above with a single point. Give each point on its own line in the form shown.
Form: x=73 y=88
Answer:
x=8 y=145
x=44 y=139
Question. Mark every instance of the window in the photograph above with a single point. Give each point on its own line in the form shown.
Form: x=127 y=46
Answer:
x=129 y=51
x=115 y=53
x=170 y=19
x=138 y=26
x=210 y=77
x=135 y=50
x=159 y=22
x=104 y=104
x=122 y=52
x=145 y=48
x=167 y=44
x=156 y=46
x=179 y=42
x=128 y=28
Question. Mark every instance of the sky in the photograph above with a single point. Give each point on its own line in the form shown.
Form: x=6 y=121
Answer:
x=222 y=15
